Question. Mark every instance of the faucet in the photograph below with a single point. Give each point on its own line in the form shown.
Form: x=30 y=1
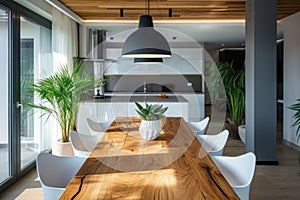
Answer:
x=145 y=87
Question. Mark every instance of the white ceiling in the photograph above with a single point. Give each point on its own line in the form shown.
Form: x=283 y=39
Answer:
x=214 y=35
x=228 y=33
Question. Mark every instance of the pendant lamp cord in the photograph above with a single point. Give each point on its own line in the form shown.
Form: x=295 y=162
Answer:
x=148 y=7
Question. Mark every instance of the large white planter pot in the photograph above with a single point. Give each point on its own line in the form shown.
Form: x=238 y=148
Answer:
x=242 y=133
x=63 y=149
x=149 y=130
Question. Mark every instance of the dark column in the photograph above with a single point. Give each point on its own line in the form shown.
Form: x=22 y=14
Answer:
x=261 y=79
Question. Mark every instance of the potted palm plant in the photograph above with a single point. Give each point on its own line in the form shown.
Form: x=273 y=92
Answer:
x=61 y=94
x=296 y=107
x=151 y=115
x=234 y=84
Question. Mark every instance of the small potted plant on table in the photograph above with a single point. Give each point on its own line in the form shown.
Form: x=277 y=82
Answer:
x=151 y=115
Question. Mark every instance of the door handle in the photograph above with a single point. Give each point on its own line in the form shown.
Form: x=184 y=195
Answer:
x=19 y=105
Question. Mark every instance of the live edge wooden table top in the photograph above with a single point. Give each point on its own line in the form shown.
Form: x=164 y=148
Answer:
x=125 y=166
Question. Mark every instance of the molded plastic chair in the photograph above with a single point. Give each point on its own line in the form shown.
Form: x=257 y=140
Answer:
x=214 y=144
x=96 y=127
x=238 y=171
x=56 y=172
x=199 y=128
x=84 y=144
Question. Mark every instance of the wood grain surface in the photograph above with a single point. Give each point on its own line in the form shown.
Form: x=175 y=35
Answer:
x=125 y=166
x=180 y=9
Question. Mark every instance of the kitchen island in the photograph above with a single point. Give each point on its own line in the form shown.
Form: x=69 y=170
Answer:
x=140 y=98
x=111 y=107
x=196 y=101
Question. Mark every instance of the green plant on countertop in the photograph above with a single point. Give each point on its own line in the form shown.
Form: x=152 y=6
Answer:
x=151 y=112
x=102 y=82
x=61 y=94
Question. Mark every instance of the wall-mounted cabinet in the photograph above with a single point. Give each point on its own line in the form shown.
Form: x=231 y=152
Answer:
x=183 y=61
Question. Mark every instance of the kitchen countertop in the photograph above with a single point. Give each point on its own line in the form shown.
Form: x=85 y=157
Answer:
x=149 y=93
x=120 y=99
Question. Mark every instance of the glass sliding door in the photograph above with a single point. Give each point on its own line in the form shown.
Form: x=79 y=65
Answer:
x=4 y=97
x=35 y=62
x=25 y=58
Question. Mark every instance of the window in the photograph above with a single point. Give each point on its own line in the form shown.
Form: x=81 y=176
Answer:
x=4 y=97
x=25 y=57
x=35 y=57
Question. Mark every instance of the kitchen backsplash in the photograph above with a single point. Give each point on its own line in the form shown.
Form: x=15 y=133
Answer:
x=154 y=83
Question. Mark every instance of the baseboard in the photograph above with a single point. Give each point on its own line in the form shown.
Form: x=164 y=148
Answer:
x=289 y=144
x=267 y=162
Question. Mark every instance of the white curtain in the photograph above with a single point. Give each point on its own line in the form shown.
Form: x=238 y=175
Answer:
x=64 y=39
x=64 y=48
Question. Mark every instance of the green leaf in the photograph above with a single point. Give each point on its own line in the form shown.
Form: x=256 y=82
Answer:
x=234 y=85
x=139 y=106
x=296 y=107
x=151 y=111
x=61 y=94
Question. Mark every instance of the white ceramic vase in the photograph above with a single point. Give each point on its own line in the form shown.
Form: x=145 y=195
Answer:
x=63 y=149
x=149 y=130
x=101 y=90
x=242 y=133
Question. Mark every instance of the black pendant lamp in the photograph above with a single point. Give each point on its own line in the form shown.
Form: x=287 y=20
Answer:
x=146 y=42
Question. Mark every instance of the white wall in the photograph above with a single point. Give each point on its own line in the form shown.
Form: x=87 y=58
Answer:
x=291 y=28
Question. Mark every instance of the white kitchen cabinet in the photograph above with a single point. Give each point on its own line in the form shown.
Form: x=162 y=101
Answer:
x=86 y=110
x=113 y=53
x=177 y=110
x=108 y=111
x=184 y=61
x=196 y=104
x=192 y=59
x=174 y=109
x=196 y=107
x=131 y=110
x=117 y=109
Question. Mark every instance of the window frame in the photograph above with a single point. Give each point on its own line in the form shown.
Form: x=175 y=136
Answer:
x=16 y=11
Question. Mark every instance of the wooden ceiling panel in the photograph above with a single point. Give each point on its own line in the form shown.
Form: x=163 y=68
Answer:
x=180 y=9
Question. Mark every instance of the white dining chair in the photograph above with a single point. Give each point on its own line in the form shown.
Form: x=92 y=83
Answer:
x=199 y=128
x=97 y=127
x=55 y=173
x=214 y=144
x=84 y=144
x=238 y=171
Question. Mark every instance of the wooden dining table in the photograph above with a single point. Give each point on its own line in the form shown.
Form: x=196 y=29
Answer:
x=125 y=166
